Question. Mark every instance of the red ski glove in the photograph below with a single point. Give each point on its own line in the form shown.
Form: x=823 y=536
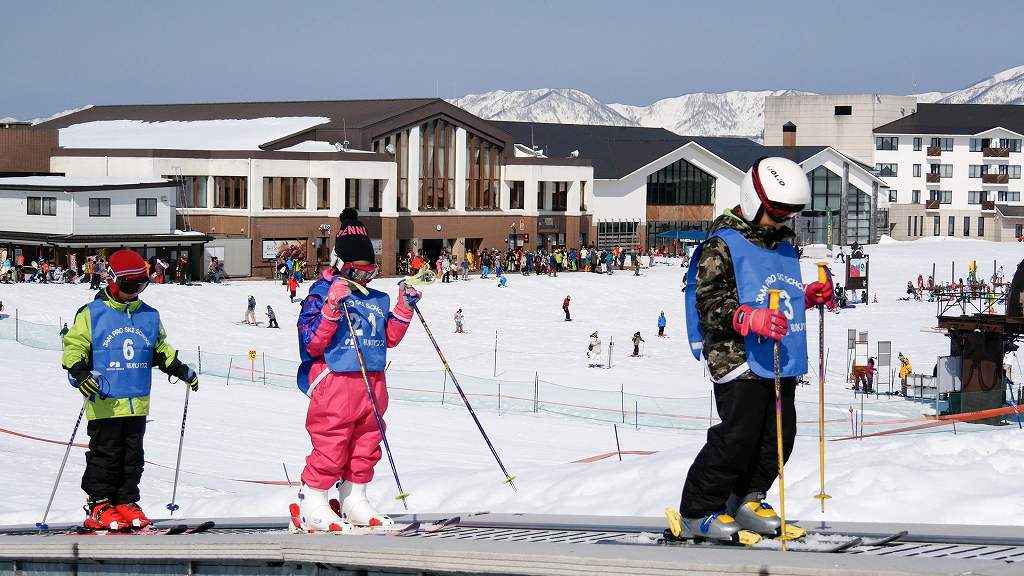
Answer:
x=818 y=294
x=764 y=322
x=335 y=296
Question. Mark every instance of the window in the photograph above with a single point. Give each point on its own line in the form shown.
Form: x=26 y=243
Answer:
x=935 y=225
x=402 y=138
x=437 y=167
x=351 y=193
x=893 y=196
x=943 y=196
x=560 y=196
x=910 y=230
x=191 y=190
x=1018 y=230
x=977 y=196
x=917 y=170
x=1013 y=170
x=943 y=170
x=1012 y=143
x=376 y=196
x=951 y=227
x=915 y=196
x=886 y=142
x=145 y=206
x=1008 y=196
x=517 y=194
x=230 y=192
x=917 y=144
x=846 y=111
x=99 y=207
x=976 y=145
x=977 y=171
x=944 y=144
x=323 y=193
x=483 y=173
x=680 y=184
x=284 y=193
x=981 y=226
x=583 y=195
x=41 y=206
x=886 y=169
x=540 y=195
x=967 y=226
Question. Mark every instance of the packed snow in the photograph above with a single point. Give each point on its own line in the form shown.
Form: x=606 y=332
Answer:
x=245 y=134
x=244 y=432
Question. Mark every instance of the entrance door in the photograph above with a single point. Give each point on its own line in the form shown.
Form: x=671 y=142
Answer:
x=432 y=249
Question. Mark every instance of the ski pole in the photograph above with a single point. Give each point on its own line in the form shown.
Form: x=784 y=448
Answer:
x=402 y=494
x=508 y=477
x=42 y=525
x=173 y=505
x=773 y=303
x=821 y=496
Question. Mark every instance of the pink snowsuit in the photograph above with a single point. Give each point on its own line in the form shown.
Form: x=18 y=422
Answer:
x=340 y=419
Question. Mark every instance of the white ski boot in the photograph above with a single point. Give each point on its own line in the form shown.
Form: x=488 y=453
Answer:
x=314 y=513
x=356 y=508
x=756 y=515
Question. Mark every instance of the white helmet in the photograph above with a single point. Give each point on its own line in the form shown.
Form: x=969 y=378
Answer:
x=776 y=186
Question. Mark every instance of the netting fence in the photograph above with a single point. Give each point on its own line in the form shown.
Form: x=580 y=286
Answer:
x=503 y=396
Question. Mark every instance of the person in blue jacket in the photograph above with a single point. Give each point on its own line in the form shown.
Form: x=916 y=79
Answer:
x=662 y=322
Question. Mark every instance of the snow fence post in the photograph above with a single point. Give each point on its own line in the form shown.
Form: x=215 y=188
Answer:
x=264 y=355
x=611 y=346
x=622 y=401
x=199 y=353
x=16 y=325
x=536 y=391
x=495 y=373
x=499 y=397
x=444 y=386
x=231 y=362
x=618 y=447
x=636 y=415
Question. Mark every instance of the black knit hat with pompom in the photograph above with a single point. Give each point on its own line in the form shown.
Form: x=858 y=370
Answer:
x=352 y=242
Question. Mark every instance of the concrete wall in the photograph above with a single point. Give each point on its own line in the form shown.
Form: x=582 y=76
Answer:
x=818 y=125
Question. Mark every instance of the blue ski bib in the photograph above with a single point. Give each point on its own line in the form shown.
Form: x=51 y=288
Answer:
x=757 y=270
x=122 y=348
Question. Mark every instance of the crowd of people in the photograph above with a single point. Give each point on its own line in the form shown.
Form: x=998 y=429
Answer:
x=975 y=287
x=95 y=269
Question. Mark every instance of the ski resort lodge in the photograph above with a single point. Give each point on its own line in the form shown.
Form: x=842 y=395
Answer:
x=428 y=176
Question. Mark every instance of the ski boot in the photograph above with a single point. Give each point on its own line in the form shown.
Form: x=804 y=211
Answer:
x=356 y=508
x=756 y=515
x=133 y=515
x=103 y=516
x=313 y=513
x=718 y=527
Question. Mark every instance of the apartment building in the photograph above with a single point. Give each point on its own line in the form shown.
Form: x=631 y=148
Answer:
x=953 y=170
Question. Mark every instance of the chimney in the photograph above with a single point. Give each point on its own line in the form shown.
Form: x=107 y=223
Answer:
x=789 y=134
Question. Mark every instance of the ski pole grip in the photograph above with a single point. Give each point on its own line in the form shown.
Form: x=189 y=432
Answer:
x=773 y=299
x=822 y=275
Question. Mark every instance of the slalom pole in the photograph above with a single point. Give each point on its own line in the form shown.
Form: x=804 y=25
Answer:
x=821 y=496
x=402 y=494
x=508 y=477
x=42 y=525
x=173 y=505
x=773 y=303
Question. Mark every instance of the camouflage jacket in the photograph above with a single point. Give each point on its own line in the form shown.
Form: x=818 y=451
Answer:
x=717 y=296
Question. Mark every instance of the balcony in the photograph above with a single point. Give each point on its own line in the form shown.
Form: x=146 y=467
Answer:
x=995 y=178
x=933 y=177
x=988 y=206
x=995 y=152
x=934 y=151
x=931 y=204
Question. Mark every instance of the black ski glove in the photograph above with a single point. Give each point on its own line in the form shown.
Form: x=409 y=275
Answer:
x=186 y=374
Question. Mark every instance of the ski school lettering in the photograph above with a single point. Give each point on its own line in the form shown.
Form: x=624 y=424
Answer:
x=762 y=293
x=368 y=305
x=125 y=330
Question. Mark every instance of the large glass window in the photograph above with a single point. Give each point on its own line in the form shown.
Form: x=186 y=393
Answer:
x=42 y=206
x=680 y=184
x=483 y=173
x=560 y=196
x=658 y=227
x=943 y=196
x=437 y=165
x=1012 y=143
x=230 y=192
x=886 y=169
x=1008 y=196
x=351 y=193
x=402 y=138
x=191 y=191
x=977 y=170
x=621 y=234
x=583 y=195
x=887 y=142
x=145 y=206
x=284 y=193
x=944 y=144
x=976 y=144
x=99 y=207
x=517 y=194
x=943 y=170
x=826 y=203
x=323 y=193
x=376 y=196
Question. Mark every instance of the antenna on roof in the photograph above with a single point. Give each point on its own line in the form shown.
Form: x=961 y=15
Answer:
x=344 y=129
x=531 y=136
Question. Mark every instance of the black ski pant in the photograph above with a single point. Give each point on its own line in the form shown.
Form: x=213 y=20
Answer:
x=273 y=323
x=661 y=330
x=741 y=454
x=566 y=310
x=113 y=464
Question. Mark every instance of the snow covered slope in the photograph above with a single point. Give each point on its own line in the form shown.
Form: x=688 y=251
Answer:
x=1006 y=87
x=562 y=106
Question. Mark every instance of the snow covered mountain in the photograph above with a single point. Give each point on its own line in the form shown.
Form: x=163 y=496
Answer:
x=563 y=106
x=735 y=113
x=1006 y=87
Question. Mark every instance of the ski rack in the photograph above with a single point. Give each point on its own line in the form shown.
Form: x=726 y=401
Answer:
x=523 y=544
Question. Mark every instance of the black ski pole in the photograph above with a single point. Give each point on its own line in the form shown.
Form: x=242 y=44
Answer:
x=173 y=505
x=42 y=525
x=402 y=494
x=508 y=477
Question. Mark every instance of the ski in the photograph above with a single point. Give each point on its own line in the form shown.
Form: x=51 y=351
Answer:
x=765 y=544
x=886 y=540
x=175 y=530
x=295 y=526
x=443 y=524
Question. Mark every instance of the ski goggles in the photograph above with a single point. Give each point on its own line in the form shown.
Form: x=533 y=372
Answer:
x=781 y=213
x=361 y=273
x=129 y=286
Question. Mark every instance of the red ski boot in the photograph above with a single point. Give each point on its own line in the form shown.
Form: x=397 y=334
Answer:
x=133 y=515
x=103 y=516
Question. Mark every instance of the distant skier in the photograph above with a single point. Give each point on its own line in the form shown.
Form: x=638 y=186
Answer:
x=730 y=326
x=636 y=344
x=63 y=331
x=502 y=281
x=459 y=319
x=341 y=421
x=565 y=308
x=271 y=318
x=464 y=267
x=662 y=322
x=114 y=343
x=905 y=370
x=293 y=286
x=869 y=376
x=250 y=311
x=594 y=351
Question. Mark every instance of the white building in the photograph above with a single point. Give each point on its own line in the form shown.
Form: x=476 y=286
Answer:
x=953 y=170
x=844 y=122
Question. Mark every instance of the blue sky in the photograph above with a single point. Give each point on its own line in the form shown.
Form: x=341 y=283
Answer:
x=59 y=55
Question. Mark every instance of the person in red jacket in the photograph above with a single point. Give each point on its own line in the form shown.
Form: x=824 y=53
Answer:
x=565 y=308
x=293 y=286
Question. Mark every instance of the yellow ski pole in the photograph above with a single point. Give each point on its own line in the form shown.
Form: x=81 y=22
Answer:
x=821 y=496
x=773 y=303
